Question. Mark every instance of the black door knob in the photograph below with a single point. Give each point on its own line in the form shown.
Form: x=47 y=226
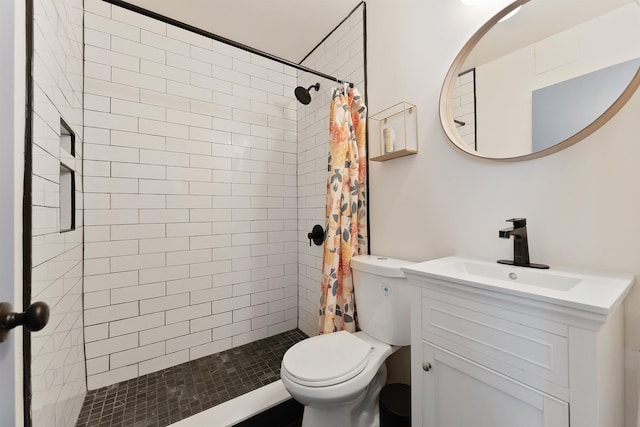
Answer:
x=34 y=319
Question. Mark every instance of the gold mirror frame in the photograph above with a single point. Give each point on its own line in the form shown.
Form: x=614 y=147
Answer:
x=446 y=112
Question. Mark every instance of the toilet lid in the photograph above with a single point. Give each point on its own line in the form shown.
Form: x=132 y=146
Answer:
x=326 y=359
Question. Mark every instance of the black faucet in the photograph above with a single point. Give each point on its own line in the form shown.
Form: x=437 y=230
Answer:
x=520 y=244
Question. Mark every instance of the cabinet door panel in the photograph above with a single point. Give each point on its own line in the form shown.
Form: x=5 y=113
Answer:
x=496 y=340
x=458 y=392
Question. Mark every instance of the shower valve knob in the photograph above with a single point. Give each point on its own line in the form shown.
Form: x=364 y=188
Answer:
x=317 y=235
x=34 y=319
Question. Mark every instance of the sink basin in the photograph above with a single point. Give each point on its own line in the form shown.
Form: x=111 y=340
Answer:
x=585 y=290
x=544 y=279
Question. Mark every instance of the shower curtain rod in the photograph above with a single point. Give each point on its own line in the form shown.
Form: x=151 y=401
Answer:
x=225 y=40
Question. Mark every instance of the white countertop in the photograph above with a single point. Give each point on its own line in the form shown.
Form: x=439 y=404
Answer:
x=596 y=292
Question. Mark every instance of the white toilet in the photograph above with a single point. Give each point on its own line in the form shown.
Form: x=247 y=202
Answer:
x=338 y=376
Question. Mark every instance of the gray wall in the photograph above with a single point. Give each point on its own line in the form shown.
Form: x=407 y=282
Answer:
x=563 y=109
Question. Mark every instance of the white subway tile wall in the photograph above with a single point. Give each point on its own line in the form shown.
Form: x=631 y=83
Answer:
x=57 y=365
x=341 y=55
x=191 y=196
x=463 y=104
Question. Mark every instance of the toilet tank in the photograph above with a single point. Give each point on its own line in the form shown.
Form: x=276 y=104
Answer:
x=382 y=298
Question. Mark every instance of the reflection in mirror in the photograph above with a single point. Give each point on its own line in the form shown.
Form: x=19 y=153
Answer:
x=544 y=78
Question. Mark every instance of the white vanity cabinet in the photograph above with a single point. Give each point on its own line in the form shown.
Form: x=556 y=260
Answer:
x=459 y=392
x=514 y=354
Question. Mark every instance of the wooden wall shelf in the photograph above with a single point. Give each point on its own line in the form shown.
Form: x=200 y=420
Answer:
x=396 y=131
x=394 y=155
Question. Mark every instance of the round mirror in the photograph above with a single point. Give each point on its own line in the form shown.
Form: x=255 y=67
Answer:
x=540 y=76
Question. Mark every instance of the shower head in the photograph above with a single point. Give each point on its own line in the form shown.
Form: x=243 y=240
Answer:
x=303 y=94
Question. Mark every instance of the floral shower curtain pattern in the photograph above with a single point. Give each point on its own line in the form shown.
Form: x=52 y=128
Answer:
x=346 y=209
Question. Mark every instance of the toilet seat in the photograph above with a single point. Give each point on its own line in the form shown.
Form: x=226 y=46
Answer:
x=326 y=360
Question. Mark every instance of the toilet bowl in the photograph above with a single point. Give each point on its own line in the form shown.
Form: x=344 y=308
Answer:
x=338 y=376
x=334 y=385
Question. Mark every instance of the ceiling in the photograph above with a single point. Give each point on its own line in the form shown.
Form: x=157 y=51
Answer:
x=289 y=29
x=535 y=21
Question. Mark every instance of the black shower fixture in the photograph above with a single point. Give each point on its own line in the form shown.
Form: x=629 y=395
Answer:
x=303 y=94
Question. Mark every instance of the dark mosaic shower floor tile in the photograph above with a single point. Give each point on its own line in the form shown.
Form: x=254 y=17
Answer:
x=164 y=397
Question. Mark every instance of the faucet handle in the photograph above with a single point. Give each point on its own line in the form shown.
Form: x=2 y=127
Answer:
x=518 y=222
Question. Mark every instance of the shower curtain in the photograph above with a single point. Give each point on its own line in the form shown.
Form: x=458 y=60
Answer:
x=346 y=209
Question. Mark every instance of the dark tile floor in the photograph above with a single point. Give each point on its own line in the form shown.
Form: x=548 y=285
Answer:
x=168 y=396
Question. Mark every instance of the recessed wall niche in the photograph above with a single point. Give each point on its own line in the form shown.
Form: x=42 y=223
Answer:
x=67 y=206
x=67 y=138
x=67 y=199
